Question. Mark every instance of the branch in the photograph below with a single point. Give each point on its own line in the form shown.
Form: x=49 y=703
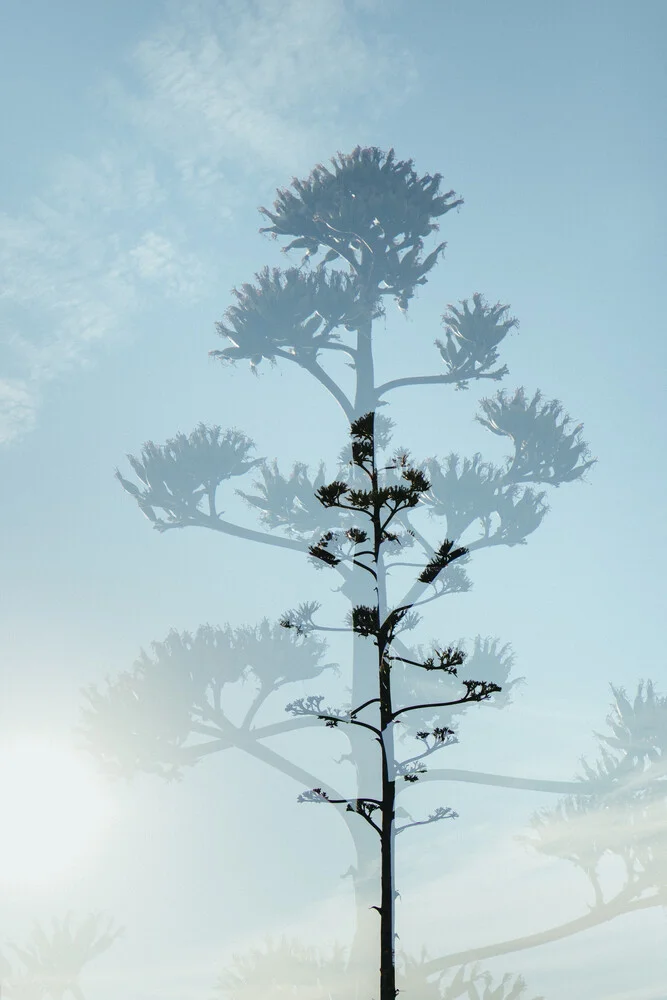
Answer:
x=524 y=784
x=370 y=701
x=486 y=690
x=250 y=534
x=363 y=807
x=192 y=754
x=427 y=600
x=244 y=742
x=424 y=542
x=411 y=598
x=335 y=719
x=368 y=569
x=198 y=727
x=333 y=345
x=415 y=591
x=396 y=383
x=443 y=812
x=330 y=628
x=447 y=739
x=228 y=528
x=553 y=787
x=595 y=918
x=277 y=728
x=333 y=387
x=256 y=704
x=450 y=379
x=309 y=707
x=317 y=372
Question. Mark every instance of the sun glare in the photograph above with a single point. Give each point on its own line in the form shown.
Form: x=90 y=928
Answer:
x=52 y=807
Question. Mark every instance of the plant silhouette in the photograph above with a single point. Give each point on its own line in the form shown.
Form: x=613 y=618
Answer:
x=369 y=215
x=287 y=969
x=51 y=962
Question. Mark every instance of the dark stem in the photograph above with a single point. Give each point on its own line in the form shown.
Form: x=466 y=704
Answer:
x=387 y=836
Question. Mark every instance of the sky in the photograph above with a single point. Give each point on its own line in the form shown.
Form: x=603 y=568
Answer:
x=141 y=139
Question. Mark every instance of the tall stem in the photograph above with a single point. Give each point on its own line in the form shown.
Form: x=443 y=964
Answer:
x=365 y=870
x=387 y=890
x=364 y=400
x=358 y=589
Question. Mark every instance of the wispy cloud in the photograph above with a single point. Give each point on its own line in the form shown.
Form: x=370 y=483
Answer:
x=217 y=93
x=227 y=88
x=18 y=407
x=76 y=266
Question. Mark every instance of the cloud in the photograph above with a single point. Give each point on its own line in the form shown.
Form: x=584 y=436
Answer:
x=157 y=259
x=223 y=87
x=76 y=267
x=218 y=93
x=18 y=408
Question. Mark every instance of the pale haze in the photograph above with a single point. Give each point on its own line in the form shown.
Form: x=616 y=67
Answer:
x=139 y=142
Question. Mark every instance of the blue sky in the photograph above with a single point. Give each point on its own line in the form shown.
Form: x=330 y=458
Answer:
x=141 y=140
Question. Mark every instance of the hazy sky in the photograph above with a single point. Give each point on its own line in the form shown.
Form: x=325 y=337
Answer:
x=139 y=140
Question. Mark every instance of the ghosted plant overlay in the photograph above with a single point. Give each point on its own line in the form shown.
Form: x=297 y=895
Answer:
x=51 y=962
x=362 y=227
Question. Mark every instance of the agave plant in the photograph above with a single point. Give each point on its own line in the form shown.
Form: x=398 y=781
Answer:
x=638 y=727
x=161 y=715
x=544 y=450
x=370 y=215
x=289 y=314
x=289 y=501
x=285 y=969
x=474 y=490
x=627 y=818
x=371 y=211
x=473 y=337
x=52 y=963
x=187 y=470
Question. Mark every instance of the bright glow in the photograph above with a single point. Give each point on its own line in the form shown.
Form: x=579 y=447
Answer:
x=52 y=806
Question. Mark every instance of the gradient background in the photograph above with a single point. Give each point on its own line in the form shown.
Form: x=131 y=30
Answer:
x=139 y=140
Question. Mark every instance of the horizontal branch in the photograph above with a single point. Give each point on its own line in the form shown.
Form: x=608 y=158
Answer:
x=250 y=534
x=436 y=704
x=192 y=754
x=397 y=383
x=333 y=345
x=198 y=751
x=597 y=916
x=335 y=719
x=351 y=805
x=278 y=728
x=442 y=813
x=523 y=784
x=203 y=730
x=438 y=745
x=449 y=379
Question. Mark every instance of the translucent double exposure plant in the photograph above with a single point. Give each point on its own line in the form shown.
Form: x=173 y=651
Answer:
x=361 y=227
x=52 y=961
x=181 y=478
